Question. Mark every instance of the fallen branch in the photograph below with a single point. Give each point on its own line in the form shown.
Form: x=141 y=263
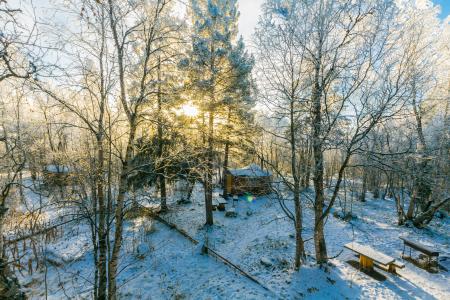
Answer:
x=42 y=231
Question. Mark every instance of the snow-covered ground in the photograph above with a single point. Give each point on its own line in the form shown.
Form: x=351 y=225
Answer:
x=261 y=230
x=159 y=263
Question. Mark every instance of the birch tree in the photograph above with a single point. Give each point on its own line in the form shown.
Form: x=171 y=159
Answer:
x=421 y=39
x=121 y=43
x=90 y=69
x=351 y=41
x=282 y=75
x=20 y=60
x=357 y=79
x=129 y=21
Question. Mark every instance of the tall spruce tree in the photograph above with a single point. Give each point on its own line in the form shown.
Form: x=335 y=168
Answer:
x=238 y=102
x=219 y=71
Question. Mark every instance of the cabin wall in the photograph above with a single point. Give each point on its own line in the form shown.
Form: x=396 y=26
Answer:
x=240 y=185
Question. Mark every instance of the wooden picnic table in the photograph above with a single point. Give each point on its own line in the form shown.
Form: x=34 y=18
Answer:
x=368 y=255
x=412 y=244
x=219 y=203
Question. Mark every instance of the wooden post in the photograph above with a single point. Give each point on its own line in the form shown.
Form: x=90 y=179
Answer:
x=365 y=262
x=392 y=269
x=229 y=180
x=30 y=267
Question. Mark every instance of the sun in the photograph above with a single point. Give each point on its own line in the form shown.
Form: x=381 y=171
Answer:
x=189 y=110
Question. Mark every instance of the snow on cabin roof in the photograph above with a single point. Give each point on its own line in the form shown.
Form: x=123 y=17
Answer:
x=57 y=169
x=250 y=171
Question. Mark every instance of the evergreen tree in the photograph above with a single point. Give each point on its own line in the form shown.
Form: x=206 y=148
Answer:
x=219 y=70
x=238 y=102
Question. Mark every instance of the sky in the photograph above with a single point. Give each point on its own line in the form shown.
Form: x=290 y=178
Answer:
x=445 y=7
x=251 y=9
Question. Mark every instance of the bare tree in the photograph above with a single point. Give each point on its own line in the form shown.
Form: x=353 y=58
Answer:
x=20 y=59
x=153 y=37
x=283 y=76
x=344 y=44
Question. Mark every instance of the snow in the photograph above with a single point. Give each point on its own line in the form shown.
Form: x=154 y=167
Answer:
x=370 y=252
x=159 y=263
x=252 y=170
x=57 y=169
x=266 y=261
x=261 y=230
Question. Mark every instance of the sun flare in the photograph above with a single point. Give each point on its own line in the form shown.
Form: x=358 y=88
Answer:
x=189 y=110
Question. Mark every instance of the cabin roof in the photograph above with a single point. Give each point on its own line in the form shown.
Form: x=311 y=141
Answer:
x=252 y=170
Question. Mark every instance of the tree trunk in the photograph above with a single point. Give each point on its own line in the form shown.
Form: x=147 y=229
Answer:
x=411 y=207
x=418 y=115
x=308 y=166
x=299 y=243
x=209 y=171
x=3 y=211
x=362 y=198
x=422 y=184
x=161 y=167
x=400 y=212
x=94 y=235
x=427 y=216
x=300 y=248
x=123 y=180
x=319 y=238
x=102 y=232
x=225 y=165
x=191 y=185
x=102 y=282
x=226 y=155
x=123 y=186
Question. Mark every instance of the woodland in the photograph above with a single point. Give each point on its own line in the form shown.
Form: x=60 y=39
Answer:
x=119 y=121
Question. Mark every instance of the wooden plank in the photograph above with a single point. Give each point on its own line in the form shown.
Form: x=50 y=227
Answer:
x=173 y=226
x=398 y=264
x=371 y=253
x=222 y=201
x=419 y=247
x=209 y=251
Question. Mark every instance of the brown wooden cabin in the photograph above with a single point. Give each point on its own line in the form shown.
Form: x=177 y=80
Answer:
x=251 y=179
x=57 y=175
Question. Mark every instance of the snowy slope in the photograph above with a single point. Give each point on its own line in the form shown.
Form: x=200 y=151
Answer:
x=159 y=263
x=262 y=231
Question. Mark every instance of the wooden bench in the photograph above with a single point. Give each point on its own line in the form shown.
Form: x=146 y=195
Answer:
x=219 y=203
x=368 y=256
x=215 y=203
x=222 y=203
x=430 y=253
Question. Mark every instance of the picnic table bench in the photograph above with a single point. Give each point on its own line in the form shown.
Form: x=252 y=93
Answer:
x=219 y=203
x=430 y=253
x=368 y=256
